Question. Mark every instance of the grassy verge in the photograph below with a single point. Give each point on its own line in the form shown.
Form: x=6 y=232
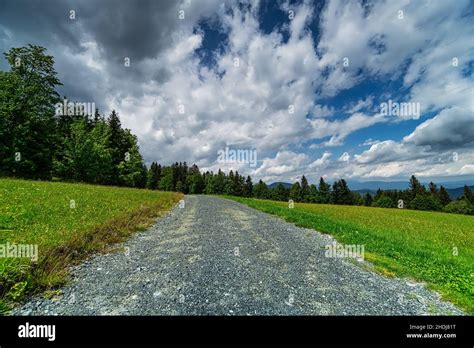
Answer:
x=431 y=247
x=67 y=222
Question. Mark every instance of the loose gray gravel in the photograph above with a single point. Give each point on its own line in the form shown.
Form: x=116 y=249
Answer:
x=218 y=257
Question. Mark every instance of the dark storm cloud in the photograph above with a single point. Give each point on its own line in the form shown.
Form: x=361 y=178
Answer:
x=141 y=27
x=137 y=29
x=38 y=22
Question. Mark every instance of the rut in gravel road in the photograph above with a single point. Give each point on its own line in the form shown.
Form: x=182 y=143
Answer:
x=218 y=257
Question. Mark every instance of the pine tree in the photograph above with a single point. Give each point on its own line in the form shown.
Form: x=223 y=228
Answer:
x=304 y=189
x=295 y=192
x=324 y=191
x=346 y=195
x=444 y=196
x=131 y=171
x=378 y=194
x=229 y=184
x=153 y=176
x=336 y=193
x=194 y=180
x=415 y=187
x=166 y=182
x=238 y=184
x=368 y=199
x=281 y=193
x=179 y=186
x=467 y=194
x=313 y=194
x=219 y=182
x=433 y=189
x=118 y=145
x=97 y=117
x=260 y=190
x=248 y=187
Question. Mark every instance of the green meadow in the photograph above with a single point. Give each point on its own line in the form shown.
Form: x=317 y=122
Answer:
x=67 y=222
x=431 y=247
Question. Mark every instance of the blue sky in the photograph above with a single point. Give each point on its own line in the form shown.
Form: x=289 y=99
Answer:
x=211 y=74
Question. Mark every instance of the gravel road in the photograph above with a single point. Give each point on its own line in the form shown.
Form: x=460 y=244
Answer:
x=218 y=257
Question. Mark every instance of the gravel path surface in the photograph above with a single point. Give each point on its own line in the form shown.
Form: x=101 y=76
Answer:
x=218 y=257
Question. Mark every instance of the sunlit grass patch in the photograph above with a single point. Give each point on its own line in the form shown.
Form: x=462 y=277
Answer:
x=67 y=222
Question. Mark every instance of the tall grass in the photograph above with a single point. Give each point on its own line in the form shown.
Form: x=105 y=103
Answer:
x=67 y=222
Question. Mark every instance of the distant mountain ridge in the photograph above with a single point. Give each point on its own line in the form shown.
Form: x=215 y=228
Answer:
x=373 y=186
x=275 y=184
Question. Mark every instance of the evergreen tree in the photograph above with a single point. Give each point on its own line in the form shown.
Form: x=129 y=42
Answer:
x=179 y=186
x=444 y=196
x=324 y=191
x=295 y=192
x=368 y=199
x=467 y=194
x=425 y=202
x=433 y=189
x=229 y=184
x=378 y=195
x=356 y=198
x=280 y=193
x=153 y=176
x=131 y=171
x=248 y=187
x=313 y=194
x=415 y=188
x=260 y=190
x=117 y=144
x=383 y=202
x=86 y=156
x=346 y=195
x=237 y=185
x=195 y=180
x=166 y=182
x=304 y=189
x=336 y=193
x=219 y=182
x=97 y=117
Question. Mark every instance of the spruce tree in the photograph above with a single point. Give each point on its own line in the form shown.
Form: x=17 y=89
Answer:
x=281 y=193
x=444 y=196
x=313 y=194
x=368 y=199
x=248 y=187
x=260 y=190
x=153 y=176
x=467 y=194
x=304 y=189
x=295 y=192
x=324 y=191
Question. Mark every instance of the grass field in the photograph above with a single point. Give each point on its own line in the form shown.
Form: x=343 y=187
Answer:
x=67 y=222
x=436 y=248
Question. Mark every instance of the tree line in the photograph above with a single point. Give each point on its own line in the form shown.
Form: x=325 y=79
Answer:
x=37 y=143
x=190 y=180
x=416 y=196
